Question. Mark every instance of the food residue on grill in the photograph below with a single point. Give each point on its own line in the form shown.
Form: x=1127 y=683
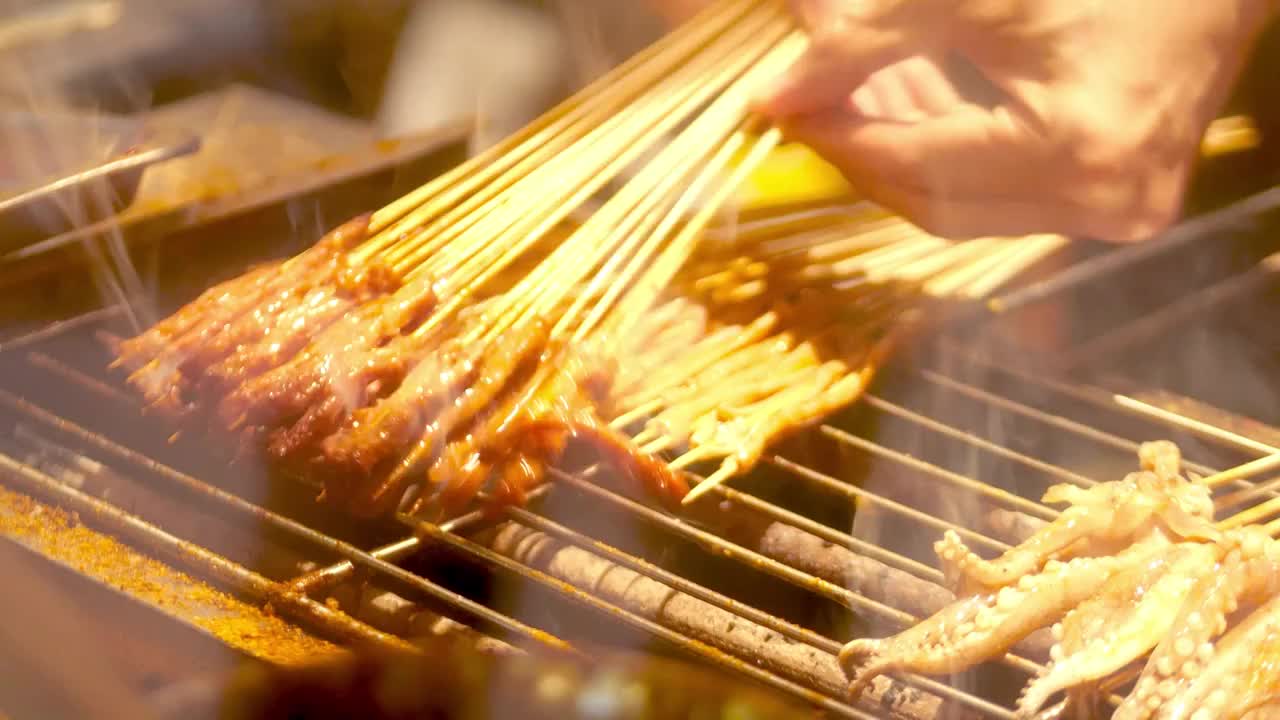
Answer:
x=59 y=535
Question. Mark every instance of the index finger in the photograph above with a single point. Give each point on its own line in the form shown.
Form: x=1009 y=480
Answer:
x=848 y=41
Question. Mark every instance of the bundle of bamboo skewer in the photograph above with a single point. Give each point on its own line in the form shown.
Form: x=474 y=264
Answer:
x=460 y=337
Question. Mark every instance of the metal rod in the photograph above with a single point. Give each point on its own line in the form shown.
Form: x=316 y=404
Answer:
x=816 y=556
x=396 y=552
x=1057 y=472
x=345 y=569
x=433 y=533
x=322 y=579
x=778 y=625
x=60 y=327
x=1181 y=310
x=1200 y=428
x=721 y=547
x=1116 y=261
x=747 y=612
x=989 y=491
x=75 y=377
x=1107 y=401
x=241 y=579
x=853 y=492
x=471 y=608
x=1056 y=421
x=841 y=539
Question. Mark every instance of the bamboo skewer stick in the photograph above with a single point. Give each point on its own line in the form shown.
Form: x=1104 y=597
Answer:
x=1252 y=515
x=734 y=107
x=489 y=241
x=408 y=212
x=737 y=385
x=616 y=283
x=536 y=173
x=583 y=170
x=617 y=163
x=709 y=128
x=1037 y=250
x=1240 y=472
x=1247 y=493
x=714 y=350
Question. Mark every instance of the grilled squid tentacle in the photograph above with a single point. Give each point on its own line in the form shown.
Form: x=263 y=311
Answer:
x=967 y=573
x=1121 y=623
x=1242 y=676
x=1101 y=520
x=977 y=628
x=1249 y=570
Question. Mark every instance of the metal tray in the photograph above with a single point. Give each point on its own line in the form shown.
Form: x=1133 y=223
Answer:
x=62 y=171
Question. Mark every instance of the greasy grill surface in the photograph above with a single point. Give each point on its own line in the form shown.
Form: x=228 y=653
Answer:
x=769 y=578
x=828 y=541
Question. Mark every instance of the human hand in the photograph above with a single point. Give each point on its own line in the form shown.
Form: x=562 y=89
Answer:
x=677 y=11
x=1103 y=106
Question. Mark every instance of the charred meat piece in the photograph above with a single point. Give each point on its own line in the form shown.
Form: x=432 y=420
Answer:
x=297 y=326
x=559 y=405
x=378 y=433
x=218 y=329
x=491 y=372
x=136 y=352
x=369 y=345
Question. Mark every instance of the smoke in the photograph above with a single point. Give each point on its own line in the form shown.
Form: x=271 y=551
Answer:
x=46 y=134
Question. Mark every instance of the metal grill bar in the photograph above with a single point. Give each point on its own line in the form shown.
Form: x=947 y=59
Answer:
x=1028 y=506
x=1242 y=213
x=747 y=612
x=718 y=546
x=355 y=556
x=1196 y=426
x=93 y=385
x=1161 y=321
x=778 y=625
x=140 y=532
x=490 y=557
x=721 y=547
x=477 y=612
x=1060 y=473
x=1107 y=401
x=399 y=551
x=844 y=540
x=62 y=327
x=864 y=599
x=1025 y=666
x=856 y=493
x=1055 y=421
x=396 y=549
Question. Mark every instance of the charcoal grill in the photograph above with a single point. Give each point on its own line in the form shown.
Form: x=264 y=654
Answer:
x=767 y=578
x=190 y=563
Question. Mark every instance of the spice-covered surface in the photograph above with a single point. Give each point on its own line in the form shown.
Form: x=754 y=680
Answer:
x=243 y=626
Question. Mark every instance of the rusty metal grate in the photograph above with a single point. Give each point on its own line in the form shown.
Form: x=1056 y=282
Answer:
x=952 y=418
x=878 y=582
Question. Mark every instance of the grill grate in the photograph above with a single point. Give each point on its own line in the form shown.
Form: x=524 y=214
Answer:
x=959 y=410
x=703 y=584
